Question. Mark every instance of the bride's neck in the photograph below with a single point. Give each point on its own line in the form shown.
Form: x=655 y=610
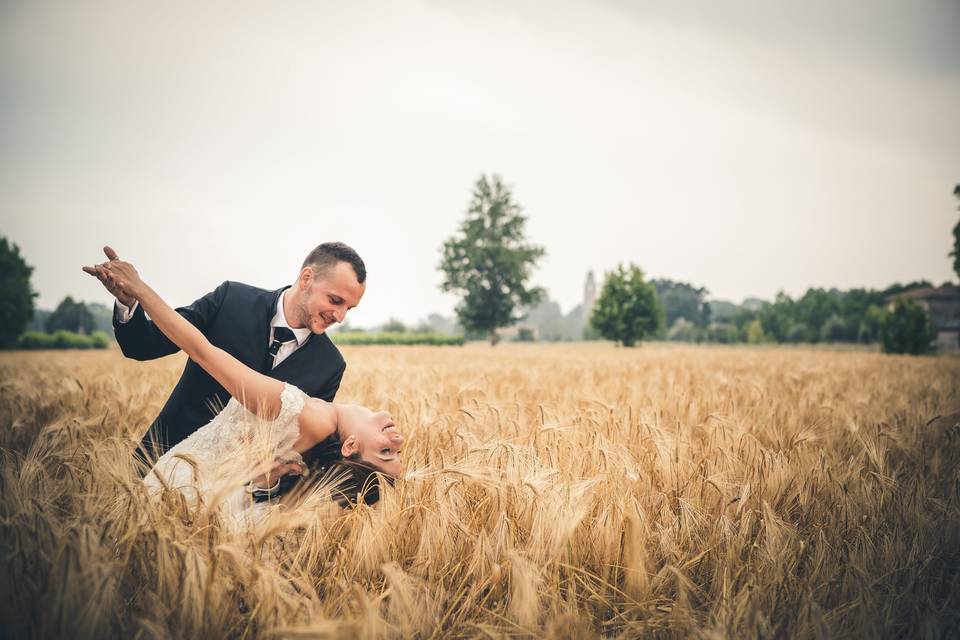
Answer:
x=337 y=420
x=318 y=421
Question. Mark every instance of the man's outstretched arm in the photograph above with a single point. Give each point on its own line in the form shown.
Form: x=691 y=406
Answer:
x=141 y=339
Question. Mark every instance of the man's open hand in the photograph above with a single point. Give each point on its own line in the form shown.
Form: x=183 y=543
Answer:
x=109 y=281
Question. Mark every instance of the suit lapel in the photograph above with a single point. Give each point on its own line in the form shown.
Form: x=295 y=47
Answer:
x=301 y=355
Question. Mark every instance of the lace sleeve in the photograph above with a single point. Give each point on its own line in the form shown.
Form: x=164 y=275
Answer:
x=292 y=401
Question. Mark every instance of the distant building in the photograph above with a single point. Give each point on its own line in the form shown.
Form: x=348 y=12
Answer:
x=589 y=295
x=943 y=307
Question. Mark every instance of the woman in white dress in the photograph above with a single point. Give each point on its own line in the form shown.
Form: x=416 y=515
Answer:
x=265 y=428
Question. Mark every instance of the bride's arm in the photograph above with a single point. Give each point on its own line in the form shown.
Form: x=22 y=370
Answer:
x=257 y=392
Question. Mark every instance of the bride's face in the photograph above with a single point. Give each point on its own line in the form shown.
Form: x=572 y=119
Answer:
x=372 y=435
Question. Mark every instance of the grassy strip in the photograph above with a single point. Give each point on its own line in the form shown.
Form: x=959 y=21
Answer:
x=63 y=340
x=357 y=337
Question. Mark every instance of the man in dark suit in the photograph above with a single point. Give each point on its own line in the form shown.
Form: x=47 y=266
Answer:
x=280 y=333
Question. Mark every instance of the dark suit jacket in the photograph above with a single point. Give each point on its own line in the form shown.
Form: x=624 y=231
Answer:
x=235 y=317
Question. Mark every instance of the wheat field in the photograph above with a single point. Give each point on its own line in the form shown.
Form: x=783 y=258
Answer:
x=570 y=491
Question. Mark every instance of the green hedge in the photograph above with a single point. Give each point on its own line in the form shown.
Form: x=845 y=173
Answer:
x=357 y=337
x=63 y=340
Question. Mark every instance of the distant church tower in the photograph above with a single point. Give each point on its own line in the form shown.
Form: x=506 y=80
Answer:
x=589 y=295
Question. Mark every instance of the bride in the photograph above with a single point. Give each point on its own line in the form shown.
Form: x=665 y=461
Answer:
x=265 y=429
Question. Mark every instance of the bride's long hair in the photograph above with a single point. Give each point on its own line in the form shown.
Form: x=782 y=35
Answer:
x=350 y=480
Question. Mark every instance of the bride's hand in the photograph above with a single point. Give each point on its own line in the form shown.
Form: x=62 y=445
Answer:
x=268 y=480
x=107 y=280
x=123 y=276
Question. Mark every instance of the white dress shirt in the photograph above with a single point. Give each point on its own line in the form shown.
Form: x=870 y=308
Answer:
x=280 y=320
x=124 y=313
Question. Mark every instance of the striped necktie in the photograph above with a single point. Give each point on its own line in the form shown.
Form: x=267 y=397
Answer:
x=281 y=336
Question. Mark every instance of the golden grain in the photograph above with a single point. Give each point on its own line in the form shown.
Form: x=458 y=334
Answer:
x=564 y=491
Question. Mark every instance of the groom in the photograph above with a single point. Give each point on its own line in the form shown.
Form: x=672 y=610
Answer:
x=280 y=333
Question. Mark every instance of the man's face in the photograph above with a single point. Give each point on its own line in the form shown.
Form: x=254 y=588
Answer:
x=325 y=299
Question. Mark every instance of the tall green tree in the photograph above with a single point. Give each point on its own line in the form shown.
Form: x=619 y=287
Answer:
x=956 y=239
x=489 y=261
x=870 y=323
x=815 y=308
x=683 y=300
x=549 y=319
x=393 y=326
x=906 y=329
x=16 y=295
x=627 y=309
x=70 y=316
x=778 y=317
x=855 y=309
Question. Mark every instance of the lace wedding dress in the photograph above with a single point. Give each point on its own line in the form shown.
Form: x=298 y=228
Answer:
x=213 y=465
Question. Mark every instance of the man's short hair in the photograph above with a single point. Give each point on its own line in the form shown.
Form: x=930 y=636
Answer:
x=327 y=255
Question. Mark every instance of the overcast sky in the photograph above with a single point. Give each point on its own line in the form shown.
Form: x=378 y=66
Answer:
x=734 y=145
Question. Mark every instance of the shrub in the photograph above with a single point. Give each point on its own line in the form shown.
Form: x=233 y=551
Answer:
x=685 y=331
x=70 y=340
x=834 y=330
x=100 y=340
x=524 y=334
x=724 y=333
x=869 y=329
x=34 y=340
x=755 y=334
x=906 y=329
x=37 y=340
x=800 y=332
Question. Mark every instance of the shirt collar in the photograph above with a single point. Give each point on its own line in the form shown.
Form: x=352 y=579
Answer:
x=280 y=320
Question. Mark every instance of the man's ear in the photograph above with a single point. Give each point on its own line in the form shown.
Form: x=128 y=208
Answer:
x=306 y=278
x=349 y=447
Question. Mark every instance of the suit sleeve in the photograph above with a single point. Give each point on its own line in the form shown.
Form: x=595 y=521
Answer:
x=329 y=391
x=140 y=339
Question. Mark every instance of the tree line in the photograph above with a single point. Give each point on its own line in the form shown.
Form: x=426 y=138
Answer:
x=488 y=264
x=831 y=316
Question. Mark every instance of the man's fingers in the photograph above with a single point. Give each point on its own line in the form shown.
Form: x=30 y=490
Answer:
x=110 y=253
x=107 y=278
x=97 y=272
x=108 y=268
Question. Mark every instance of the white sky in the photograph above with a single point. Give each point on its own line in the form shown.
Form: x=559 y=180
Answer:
x=743 y=148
